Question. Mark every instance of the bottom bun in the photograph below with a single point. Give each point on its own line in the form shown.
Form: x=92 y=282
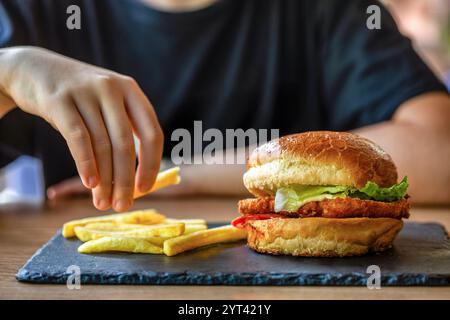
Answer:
x=322 y=237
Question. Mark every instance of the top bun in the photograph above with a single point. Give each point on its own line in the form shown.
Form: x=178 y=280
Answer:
x=318 y=158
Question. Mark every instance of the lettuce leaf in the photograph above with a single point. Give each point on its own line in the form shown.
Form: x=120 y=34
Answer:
x=293 y=197
x=373 y=192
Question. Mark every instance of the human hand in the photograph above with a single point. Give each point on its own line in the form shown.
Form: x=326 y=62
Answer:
x=97 y=111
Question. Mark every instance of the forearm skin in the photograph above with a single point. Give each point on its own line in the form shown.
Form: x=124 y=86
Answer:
x=7 y=63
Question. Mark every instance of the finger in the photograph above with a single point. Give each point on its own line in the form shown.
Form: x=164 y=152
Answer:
x=89 y=109
x=149 y=133
x=69 y=187
x=70 y=124
x=123 y=152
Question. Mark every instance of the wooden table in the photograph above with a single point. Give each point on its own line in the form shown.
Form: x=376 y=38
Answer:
x=24 y=231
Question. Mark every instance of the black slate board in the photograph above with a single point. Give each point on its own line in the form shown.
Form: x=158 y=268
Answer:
x=420 y=256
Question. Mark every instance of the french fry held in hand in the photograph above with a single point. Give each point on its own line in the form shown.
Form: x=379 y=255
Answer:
x=150 y=216
x=157 y=230
x=164 y=179
x=201 y=238
x=123 y=244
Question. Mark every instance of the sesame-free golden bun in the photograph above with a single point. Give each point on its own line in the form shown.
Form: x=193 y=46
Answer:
x=322 y=237
x=318 y=158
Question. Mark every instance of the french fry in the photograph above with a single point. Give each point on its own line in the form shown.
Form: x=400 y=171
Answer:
x=68 y=227
x=191 y=228
x=191 y=225
x=186 y=221
x=156 y=230
x=112 y=226
x=144 y=231
x=99 y=230
x=157 y=241
x=149 y=216
x=123 y=244
x=85 y=234
x=201 y=238
x=164 y=179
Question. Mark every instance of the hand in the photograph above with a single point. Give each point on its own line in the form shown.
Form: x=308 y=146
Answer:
x=97 y=111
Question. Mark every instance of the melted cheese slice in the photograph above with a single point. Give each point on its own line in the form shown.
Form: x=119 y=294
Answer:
x=279 y=204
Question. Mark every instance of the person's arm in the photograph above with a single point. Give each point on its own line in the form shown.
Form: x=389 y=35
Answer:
x=418 y=139
x=96 y=110
x=209 y=179
x=6 y=103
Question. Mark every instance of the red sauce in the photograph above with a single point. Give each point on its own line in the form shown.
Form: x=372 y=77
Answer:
x=240 y=222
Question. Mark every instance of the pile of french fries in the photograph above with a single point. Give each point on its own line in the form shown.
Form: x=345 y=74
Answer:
x=146 y=231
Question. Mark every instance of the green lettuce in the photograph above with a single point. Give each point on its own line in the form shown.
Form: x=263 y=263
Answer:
x=293 y=197
x=372 y=191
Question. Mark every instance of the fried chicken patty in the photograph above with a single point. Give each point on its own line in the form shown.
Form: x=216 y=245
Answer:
x=332 y=208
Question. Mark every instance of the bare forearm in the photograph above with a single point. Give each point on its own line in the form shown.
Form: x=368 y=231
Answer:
x=215 y=179
x=208 y=177
x=6 y=103
x=220 y=179
x=421 y=152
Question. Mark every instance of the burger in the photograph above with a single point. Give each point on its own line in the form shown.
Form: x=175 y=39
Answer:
x=322 y=194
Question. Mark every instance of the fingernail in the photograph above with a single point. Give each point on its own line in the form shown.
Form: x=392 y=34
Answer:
x=122 y=204
x=144 y=187
x=92 y=182
x=51 y=193
x=102 y=204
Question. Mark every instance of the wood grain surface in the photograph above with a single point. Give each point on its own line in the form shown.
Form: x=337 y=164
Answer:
x=23 y=231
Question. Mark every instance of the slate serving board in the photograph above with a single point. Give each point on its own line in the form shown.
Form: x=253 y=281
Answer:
x=420 y=256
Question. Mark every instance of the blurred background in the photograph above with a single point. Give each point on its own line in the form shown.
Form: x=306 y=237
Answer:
x=427 y=24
